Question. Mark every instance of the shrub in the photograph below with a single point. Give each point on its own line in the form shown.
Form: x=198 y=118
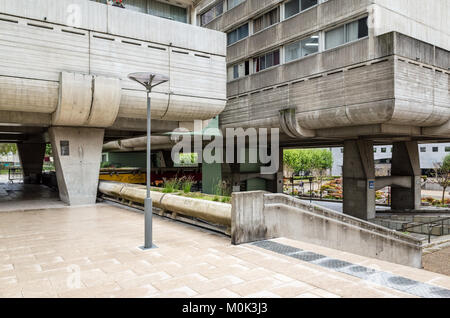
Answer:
x=171 y=185
x=187 y=184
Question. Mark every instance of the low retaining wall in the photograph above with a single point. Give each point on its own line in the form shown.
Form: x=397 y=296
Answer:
x=259 y=216
x=210 y=211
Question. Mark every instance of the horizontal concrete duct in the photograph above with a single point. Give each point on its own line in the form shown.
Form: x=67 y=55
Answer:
x=210 y=211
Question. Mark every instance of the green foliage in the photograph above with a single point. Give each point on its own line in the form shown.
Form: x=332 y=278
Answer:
x=187 y=184
x=188 y=158
x=7 y=148
x=446 y=164
x=308 y=159
x=171 y=185
x=48 y=150
x=105 y=164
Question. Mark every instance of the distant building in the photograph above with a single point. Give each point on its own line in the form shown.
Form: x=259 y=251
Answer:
x=430 y=154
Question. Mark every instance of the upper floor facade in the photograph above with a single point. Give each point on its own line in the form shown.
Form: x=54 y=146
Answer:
x=65 y=62
x=316 y=68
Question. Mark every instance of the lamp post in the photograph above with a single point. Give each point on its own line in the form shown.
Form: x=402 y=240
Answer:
x=148 y=80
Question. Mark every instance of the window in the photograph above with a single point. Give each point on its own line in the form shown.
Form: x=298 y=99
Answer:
x=266 y=20
x=423 y=149
x=435 y=149
x=447 y=149
x=295 y=6
x=212 y=13
x=233 y=3
x=237 y=34
x=265 y=61
x=165 y=10
x=302 y=48
x=383 y=150
x=346 y=33
x=375 y=150
x=239 y=70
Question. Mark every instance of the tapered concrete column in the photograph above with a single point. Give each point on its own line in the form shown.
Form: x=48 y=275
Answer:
x=31 y=158
x=406 y=162
x=278 y=180
x=359 y=179
x=77 y=153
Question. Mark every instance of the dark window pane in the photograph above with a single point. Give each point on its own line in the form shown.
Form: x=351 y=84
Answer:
x=308 y=4
x=292 y=7
x=363 y=29
x=435 y=149
x=247 y=67
x=276 y=58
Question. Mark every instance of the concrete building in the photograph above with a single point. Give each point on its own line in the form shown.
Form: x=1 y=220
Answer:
x=429 y=154
x=63 y=79
x=340 y=73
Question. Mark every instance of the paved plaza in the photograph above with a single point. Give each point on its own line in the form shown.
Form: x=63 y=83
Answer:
x=93 y=252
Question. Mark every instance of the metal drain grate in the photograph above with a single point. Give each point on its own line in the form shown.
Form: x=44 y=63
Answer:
x=333 y=263
x=377 y=277
x=307 y=256
x=277 y=247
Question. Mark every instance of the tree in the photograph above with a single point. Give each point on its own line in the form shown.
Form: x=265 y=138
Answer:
x=308 y=160
x=7 y=148
x=442 y=172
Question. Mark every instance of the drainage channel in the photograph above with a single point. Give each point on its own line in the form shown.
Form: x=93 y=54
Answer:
x=381 y=278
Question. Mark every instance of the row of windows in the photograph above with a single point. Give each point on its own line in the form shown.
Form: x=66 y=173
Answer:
x=156 y=8
x=434 y=149
x=422 y=149
x=218 y=9
x=273 y=16
x=296 y=50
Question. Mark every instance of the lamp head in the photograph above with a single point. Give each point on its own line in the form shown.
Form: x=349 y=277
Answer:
x=148 y=79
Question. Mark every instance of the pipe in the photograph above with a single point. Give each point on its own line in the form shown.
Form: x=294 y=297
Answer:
x=139 y=143
x=210 y=211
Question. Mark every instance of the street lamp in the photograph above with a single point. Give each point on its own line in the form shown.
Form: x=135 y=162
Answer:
x=148 y=80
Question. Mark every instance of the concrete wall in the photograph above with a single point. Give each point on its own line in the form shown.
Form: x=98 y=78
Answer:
x=40 y=41
x=258 y=216
x=427 y=21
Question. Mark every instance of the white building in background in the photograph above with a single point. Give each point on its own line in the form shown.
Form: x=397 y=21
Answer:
x=430 y=154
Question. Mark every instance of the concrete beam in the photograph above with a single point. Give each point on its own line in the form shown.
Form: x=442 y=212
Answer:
x=398 y=181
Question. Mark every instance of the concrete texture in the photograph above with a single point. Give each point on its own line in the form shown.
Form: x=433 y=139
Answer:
x=405 y=163
x=77 y=170
x=25 y=197
x=97 y=246
x=31 y=159
x=107 y=44
x=359 y=179
x=258 y=216
x=209 y=211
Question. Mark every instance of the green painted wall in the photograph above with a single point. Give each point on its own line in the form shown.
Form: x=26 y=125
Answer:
x=211 y=173
x=128 y=159
x=256 y=184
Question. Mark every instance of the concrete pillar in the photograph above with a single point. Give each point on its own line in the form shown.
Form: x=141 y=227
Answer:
x=77 y=154
x=359 y=179
x=31 y=158
x=406 y=162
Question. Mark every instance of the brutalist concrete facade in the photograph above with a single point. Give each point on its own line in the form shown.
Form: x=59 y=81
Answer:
x=388 y=84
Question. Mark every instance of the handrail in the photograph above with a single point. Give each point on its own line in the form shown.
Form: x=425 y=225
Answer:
x=433 y=223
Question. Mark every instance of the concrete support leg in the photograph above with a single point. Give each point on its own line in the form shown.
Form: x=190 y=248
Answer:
x=77 y=153
x=279 y=177
x=406 y=162
x=359 y=179
x=32 y=158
